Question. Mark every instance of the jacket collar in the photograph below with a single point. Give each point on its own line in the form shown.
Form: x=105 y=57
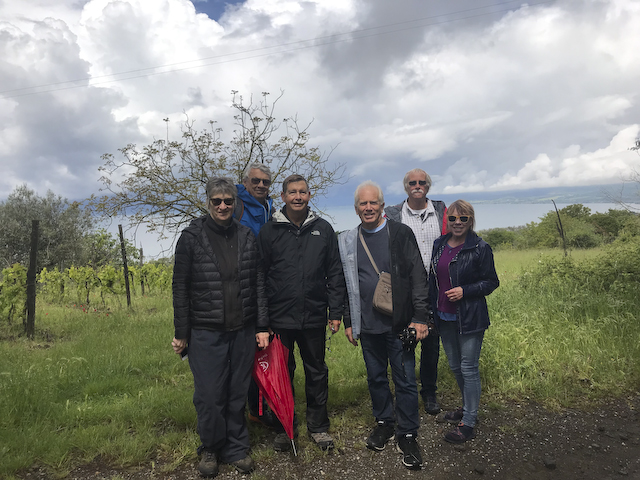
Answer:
x=280 y=218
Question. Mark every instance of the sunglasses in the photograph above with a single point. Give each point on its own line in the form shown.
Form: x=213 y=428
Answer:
x=421 y=182
x=217 y=201
x=463 y=218
x=256 y=181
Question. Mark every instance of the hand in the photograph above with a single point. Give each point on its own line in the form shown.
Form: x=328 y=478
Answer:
x=454 y=294
x=262 y=339
x=422 y=330
x=334 y=326
x=349 y=333
x=179 y=344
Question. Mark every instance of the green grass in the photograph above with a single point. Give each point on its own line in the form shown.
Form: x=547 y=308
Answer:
x=106 y=385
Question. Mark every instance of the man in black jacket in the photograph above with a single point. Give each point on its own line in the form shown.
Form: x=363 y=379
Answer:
x=304 y=278
x=220 y=312
x=381 y=245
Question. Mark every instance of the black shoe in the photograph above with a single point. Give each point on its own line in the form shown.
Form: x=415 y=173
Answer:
x=460 y=434
x=407 y=445
x=244 y=465
x=454 y=417
x=381 y=434
x=208 y=466
x=322 y=440
x=282 y=442
x=431 y=405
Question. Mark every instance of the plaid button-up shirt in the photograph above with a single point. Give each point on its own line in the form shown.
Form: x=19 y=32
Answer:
x=425 y=226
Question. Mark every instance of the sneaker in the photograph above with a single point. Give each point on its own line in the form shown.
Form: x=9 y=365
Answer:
x=381 y=434
x=431 y=405
x=322 y=440
x=208 y=466
x=460 y=434
x=407 y=445
x=454 y=417
x=244 y=465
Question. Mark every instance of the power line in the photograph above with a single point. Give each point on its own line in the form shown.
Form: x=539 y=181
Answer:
x=352 y=35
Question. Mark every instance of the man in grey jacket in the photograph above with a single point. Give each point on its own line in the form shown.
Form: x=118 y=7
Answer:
x=392 y=247
x=427 y=219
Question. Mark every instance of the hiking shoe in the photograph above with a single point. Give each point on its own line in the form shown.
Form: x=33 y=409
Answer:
x=381 y=434
x=460 y=434
x=411 y=457
x=208 y=466
x=431 y=405
x=322 y=440
x=454 y=417
x=282 y=443
x=245 y=465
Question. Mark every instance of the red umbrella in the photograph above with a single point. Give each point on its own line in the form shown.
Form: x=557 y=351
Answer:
x=271 y=373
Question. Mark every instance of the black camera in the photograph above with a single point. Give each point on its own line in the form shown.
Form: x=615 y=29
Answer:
x=409 y=338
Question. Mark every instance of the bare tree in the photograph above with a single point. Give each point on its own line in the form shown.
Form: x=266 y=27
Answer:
x=161 y=185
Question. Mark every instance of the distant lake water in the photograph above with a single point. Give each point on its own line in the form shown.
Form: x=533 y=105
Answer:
x=488 y=215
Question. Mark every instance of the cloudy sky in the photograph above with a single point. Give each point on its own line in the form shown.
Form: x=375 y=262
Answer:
x=485 y=95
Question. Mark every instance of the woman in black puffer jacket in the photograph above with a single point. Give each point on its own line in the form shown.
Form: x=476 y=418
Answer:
x=220 y=312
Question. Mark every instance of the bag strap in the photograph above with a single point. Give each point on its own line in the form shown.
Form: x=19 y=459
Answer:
x=366 y=249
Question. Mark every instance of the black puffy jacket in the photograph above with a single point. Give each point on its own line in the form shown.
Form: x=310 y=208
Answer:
x=197 y=287
x=303 y=272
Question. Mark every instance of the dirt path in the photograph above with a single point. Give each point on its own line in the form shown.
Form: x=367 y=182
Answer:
x=518 y=441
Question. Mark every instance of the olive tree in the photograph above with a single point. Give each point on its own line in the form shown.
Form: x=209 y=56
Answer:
x=161 y=185
x=63 y=226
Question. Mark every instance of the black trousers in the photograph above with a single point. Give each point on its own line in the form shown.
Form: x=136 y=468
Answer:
x=311 y=343
x=221 y=364
x=429 y=356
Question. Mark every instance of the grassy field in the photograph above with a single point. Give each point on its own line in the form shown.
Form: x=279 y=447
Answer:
x=106 y=384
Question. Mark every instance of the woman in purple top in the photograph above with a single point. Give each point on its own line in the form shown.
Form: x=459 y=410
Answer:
x=462 y=274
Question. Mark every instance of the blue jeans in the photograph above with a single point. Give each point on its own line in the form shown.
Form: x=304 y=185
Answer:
x=379 y=350
x=463 y=353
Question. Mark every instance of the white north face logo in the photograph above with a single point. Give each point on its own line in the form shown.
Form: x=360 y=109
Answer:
x=315 y=232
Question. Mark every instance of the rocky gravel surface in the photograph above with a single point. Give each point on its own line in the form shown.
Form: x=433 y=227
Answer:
x=514 y=441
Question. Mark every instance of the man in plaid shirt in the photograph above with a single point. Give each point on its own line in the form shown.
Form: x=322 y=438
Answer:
x=427 y=219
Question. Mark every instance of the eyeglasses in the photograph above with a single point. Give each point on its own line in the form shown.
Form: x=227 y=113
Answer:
x=421 y=182
x=217 y=201
x=265 y=181
x=463 y=218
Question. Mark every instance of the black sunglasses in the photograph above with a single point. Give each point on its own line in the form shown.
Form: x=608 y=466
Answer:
x=256 y=181
x=217 y=201
x=421 y=182
x=463 y=218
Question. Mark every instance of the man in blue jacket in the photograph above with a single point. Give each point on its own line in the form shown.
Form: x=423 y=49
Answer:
x=254 y=207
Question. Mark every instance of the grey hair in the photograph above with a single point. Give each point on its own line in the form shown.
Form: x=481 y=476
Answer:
x=221 y=185
x=367 y=183
x=416 y=170
x=257 y=166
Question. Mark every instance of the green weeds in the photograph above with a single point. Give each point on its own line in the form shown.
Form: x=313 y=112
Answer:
x=103 y=383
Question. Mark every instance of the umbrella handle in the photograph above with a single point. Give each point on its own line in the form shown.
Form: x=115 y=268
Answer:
x=295 y=453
